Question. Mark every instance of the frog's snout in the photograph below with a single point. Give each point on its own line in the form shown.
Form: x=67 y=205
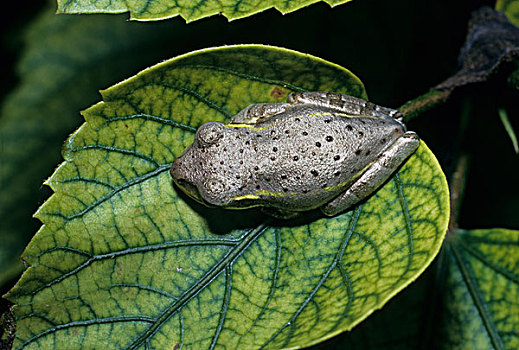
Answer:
x=175 y=171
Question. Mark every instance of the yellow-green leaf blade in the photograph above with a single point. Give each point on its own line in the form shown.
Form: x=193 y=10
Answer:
x=123 y=258
x=482 y=305
x=189 y=10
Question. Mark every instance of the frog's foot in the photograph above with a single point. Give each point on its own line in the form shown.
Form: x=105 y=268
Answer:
x=279 y=213
x=376 y=175
x=343 y=103
x=259 y=112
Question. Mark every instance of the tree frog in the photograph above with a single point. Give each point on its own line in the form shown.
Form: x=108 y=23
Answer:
x=318 y=150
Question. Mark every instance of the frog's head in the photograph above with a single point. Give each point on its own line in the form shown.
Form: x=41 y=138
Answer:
x=199 y=171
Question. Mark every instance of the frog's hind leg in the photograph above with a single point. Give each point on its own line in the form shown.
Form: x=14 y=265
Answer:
x=343 y=103
x=376 y=175
x=259 y=112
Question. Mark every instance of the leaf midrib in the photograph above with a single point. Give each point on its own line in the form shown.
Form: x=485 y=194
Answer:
x=203 y=282
x=483 y=259
x=113 y=192
x=338 y=256
x=475 y=293
x=134 y=250
x=246 y=76
x=272 y=287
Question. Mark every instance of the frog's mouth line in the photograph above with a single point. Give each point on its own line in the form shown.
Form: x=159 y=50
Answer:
x=191 y=191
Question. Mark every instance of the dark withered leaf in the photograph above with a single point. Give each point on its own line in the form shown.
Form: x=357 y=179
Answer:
x=491 y=41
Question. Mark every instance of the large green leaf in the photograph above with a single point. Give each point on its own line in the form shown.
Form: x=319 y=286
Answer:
x=125 y=261
x=481 y=303
x=189 y=10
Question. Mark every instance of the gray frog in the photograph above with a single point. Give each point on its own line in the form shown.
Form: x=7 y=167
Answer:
x=318 y=150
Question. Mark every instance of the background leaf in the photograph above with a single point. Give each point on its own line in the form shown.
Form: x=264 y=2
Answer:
x=121 y=257
x=189 y=10
x=503 y=115
x=65 y=61
x=481 y=303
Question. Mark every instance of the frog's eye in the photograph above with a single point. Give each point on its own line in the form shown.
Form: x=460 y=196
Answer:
x=209 y=133
x=214 y=191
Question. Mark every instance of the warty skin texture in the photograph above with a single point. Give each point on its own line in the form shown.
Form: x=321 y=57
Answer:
x=295 y=156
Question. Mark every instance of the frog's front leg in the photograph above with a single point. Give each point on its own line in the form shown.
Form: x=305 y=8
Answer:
x=259 y=112
x=343 y=103
x=375 y=175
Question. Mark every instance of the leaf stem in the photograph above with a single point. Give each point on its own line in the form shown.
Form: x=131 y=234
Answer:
x=422 y=103
x=462 y=163
x=458 y=182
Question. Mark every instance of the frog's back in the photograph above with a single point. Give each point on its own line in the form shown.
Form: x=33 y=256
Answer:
x=300 y=160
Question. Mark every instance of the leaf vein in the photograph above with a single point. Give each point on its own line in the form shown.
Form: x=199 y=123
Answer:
x=407 y=218
x=118 y=150
x=479 y=256
x=272 y=287
x=225 y=305
x=475 y=293
x=150 y=117
x=338 y=257
x=202 y=283
x=247 y=76
x=112 y=193
x=136 y=250
x=109 y=320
